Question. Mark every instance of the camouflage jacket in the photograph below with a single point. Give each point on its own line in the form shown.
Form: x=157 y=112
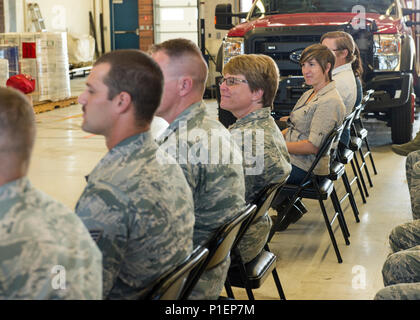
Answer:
x=272 y=159
x=145 y=211
x=46 y=251
x=212 y=164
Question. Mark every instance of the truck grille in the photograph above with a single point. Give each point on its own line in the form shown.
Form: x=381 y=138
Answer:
x=280 y=48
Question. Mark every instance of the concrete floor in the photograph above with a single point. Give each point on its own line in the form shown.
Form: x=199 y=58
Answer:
x=307 y=264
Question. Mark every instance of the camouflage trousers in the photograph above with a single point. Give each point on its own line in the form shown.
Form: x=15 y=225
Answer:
x=211 y=282
x=412 y=169
x=401 y=291
x=255 y=238
x=405 y=236
x=403 y=265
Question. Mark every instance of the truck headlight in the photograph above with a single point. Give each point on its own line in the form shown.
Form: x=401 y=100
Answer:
x=386 y=52
x=232 y=47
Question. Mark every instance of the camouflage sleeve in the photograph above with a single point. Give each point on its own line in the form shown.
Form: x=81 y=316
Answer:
x=413 y=180
x=103 y=207
x=36 y=280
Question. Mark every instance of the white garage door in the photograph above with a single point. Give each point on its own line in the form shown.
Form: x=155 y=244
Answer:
x=175 y=19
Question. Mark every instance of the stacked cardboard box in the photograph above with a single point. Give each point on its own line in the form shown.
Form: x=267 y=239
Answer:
x=44 y=56
x=4 y=72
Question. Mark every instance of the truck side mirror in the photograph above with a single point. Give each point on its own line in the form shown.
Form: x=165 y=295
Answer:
x=223 y=16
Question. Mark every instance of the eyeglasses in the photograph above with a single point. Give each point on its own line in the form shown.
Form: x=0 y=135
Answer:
x=231 y=81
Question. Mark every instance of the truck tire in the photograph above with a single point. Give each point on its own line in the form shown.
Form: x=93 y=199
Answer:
x=401 y=124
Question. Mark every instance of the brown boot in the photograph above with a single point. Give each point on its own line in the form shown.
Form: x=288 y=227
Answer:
x=406 y=148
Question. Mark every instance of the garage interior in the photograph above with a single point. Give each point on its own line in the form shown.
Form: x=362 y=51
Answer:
x=306 y=263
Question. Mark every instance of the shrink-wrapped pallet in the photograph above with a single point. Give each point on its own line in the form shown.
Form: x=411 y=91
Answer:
x=4 y=72
x=53 y=66
x=44 y=56
x=11 y=53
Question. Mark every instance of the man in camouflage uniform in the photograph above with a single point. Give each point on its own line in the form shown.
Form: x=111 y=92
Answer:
x=401 y=270
x=218 y=188
x=143 y=209
x=247 y=90
x=46 y=251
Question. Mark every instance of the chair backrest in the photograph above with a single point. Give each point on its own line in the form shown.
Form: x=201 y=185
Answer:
x=332 y=138
x=170 y=285
x=347 y=125
x=223 y=241
x=220 y=245
x=263 y=203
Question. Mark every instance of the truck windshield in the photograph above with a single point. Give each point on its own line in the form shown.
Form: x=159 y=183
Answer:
x=267 y=7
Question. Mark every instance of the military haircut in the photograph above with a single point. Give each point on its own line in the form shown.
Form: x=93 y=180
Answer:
x=261 y=72
x=321 y=54
x=17 y=124
x=136 y=73
x=185 y=50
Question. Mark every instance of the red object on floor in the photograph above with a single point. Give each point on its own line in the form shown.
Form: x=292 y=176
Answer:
x=22 y=82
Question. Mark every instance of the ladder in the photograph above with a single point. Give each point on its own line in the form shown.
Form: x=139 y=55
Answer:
x=36 y=17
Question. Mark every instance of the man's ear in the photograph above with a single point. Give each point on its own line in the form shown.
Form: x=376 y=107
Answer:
x=123 y=101
x=185 y=85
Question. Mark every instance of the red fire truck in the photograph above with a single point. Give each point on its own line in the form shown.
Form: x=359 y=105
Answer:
x=384 y=31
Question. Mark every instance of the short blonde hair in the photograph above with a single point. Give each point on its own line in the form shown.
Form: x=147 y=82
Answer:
x=260 y=71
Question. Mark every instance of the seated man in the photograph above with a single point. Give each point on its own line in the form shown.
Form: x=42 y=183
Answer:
x=247 y=89
x=143 y=209
x=46 y=252
x=218 y=188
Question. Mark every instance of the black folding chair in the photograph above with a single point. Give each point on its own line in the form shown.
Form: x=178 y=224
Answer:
x=357 y=138
x=359 y=130
x=320 y=188
x=338 y=170
x=252 y=274
x=219 y=247
x=170 y=285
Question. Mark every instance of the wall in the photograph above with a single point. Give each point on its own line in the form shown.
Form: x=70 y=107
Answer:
x=213 y=37
x=61 y=15
x=1 y=16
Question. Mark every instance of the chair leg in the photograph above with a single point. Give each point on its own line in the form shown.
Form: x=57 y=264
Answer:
x=370 y=155
x=353 y=204
x=276 y=278
x=356 y=177
x=243 y=274
x=340 y=216
x=360 y=175
x=364 y=165
x=330 y=231
x=228 y=289
x=278 y=284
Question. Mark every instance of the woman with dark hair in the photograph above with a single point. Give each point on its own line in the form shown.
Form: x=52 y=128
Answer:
x=314 y=116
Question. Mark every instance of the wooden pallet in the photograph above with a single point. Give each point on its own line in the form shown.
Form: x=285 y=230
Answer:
x=45 y=106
